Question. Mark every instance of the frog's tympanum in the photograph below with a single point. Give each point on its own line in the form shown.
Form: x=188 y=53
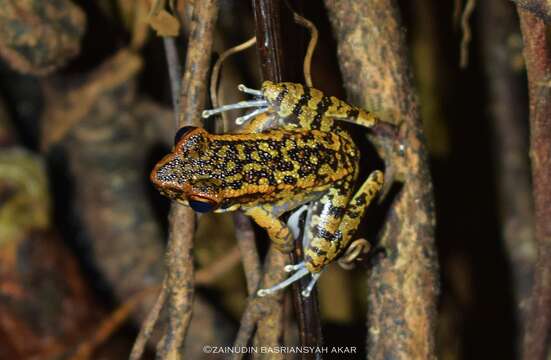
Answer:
x=291 y=152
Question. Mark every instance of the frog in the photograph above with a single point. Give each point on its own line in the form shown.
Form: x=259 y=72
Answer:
x=290 y=152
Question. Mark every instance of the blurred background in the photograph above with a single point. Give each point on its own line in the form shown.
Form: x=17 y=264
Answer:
x=86 y=111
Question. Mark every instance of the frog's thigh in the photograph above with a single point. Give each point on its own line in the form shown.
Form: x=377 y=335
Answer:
x=327 y=215
x=268 y=218
x=357 y=206
x=327 y=243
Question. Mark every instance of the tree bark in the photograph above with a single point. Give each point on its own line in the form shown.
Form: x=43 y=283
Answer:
x=403 y=285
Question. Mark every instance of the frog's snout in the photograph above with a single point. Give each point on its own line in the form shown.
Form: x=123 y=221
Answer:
x=165 y=179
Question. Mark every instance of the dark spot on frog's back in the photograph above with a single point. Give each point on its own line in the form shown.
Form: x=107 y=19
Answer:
x=264 y=156
x=284 y=166
x=236 y=185
x=289 y=180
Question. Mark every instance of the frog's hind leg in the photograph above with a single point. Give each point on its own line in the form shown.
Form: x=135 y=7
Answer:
x=343 y=215
x=357 y=206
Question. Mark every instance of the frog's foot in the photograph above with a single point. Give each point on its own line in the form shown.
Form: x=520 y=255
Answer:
x=261 y=104
x=300 y=272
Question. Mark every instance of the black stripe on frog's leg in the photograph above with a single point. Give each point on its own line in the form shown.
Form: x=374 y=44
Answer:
x=353 y=113
x=280 y=96
x=323 y=104
x=302 y=102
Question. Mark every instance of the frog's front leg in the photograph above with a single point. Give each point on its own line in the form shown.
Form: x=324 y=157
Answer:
x=267 y=216
x=277 y=230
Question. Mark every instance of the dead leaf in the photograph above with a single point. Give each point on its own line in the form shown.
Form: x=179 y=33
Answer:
x=164 y=23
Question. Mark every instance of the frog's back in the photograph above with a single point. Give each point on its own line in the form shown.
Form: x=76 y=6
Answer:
x=269 y=166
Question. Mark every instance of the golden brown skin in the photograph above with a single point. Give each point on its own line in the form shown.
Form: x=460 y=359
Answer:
x=296 y=154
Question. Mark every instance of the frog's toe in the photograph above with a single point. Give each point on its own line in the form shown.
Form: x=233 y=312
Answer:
x=282 y=285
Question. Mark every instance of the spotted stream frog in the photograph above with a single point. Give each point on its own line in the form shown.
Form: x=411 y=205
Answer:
x=289 y=153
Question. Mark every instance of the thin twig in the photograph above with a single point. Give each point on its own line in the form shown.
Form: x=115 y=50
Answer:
x=268 y=309
x=175 y=73
x=537 y=54
x=466 y=28
x=111 y=324
x=403 y=286
x=307 y=66
x=148 y=325
x=218 y=65
x=218 y=268
x=244 y=233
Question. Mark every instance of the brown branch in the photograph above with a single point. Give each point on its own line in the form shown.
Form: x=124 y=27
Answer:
x=537 y=54
x=403 y=286
x=539 y=8
x=148 y=325
x=179 y=258
x=268 y=309
x=175 y=72
x=274 y=22
x=498 y=22
x=179 y=280
x=199 y=51
x=113 y=322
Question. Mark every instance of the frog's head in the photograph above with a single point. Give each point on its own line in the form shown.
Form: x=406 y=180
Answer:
x=182 y=176
x=272 y=91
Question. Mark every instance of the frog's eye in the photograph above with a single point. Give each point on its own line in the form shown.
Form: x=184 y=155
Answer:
x=201 y=204
x=181 y=132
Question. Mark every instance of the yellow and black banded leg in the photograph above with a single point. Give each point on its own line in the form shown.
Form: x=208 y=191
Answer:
x=322 y=232
x=329 y=239
x=357 y=206
x=342 y=111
